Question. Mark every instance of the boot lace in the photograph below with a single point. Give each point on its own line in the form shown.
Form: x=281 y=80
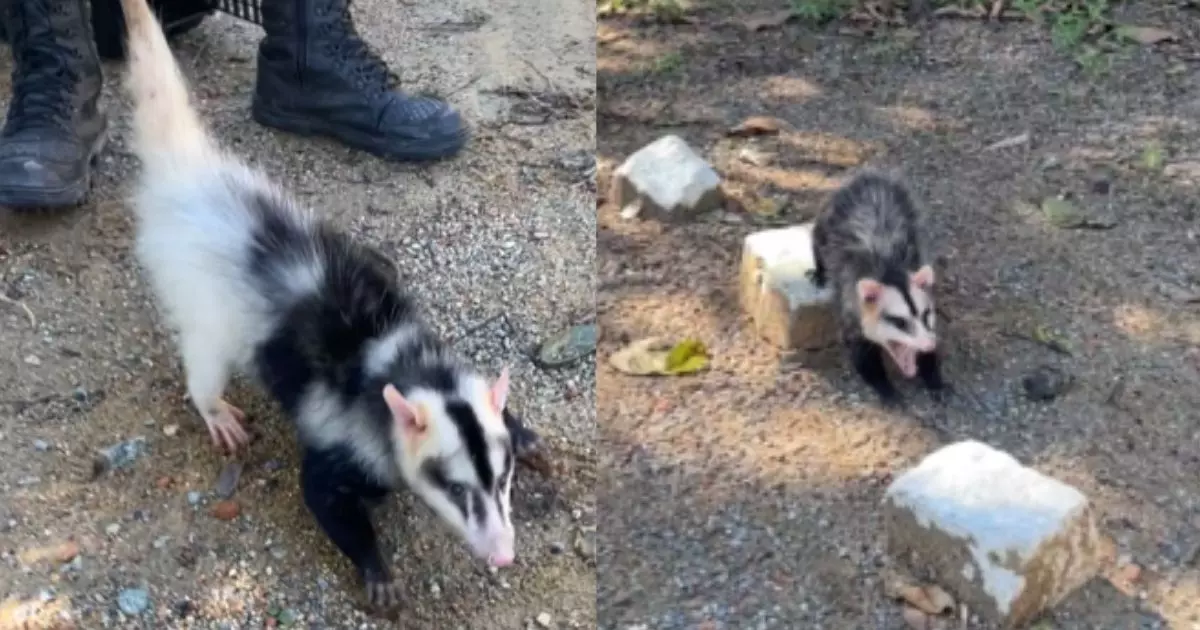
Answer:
x=365 y=66
x=45 y=72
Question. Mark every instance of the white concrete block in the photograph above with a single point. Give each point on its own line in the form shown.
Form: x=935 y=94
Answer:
x=668 y=180
x=778 y=293
x=1005 y=539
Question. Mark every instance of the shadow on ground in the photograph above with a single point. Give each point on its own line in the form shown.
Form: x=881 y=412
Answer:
x=799 y=449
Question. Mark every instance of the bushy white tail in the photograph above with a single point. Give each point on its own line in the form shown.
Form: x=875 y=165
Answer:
x=167 y=131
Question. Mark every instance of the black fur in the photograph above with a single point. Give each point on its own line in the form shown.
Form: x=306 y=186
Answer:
x=321 y=339
x=870 y=229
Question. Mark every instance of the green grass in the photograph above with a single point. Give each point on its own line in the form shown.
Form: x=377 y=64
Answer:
x=1082 y=29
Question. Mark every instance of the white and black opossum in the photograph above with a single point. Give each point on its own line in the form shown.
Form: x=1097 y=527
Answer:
x=869 y=244
x=252 y=282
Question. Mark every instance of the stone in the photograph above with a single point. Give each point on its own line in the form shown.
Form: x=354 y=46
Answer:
x=133 y=601
x=666 y=179
x=1006 y=540
x=778 y=293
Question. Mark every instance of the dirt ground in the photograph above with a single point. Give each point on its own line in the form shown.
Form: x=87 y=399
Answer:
x=746 y=496
x=499 y=246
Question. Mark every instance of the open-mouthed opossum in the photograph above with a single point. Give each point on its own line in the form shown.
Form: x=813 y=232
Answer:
x=869 y=245
x=252 y=282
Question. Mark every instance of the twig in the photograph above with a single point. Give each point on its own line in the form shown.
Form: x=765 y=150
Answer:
x=1045 y=343
x=25 y=307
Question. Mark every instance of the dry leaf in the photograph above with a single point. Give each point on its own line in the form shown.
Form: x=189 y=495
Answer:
x=1009 y=142
x=1190 y=170
x=1146 y=35
x=758 y=126
x=770 y=20
x=916 y=619
x=929 y=599
x=655 y=356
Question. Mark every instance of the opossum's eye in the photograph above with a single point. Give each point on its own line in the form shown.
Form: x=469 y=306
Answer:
x=457 y=490
x=927 y=318
x=900 y=323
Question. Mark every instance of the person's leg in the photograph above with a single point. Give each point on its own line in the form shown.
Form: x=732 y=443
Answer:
x=316 y=76
x=54 y=127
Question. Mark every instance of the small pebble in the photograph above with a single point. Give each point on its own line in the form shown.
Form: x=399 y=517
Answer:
x=226 y=510
x=33 y=360
x=170 y=430
x=228 y=479
x=556 y=548
x=41 y=445
x=133 y=601
x=544 y=620
x=194 y=497
x=113 y=529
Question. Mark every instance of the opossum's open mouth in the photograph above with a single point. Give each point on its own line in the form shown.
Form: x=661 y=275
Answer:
x=905 y=358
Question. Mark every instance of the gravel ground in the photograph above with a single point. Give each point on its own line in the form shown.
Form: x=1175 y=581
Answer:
x=499 y=245
x=746 y=496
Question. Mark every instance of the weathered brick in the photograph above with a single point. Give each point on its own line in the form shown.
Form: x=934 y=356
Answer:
x=668 y=180
x=777 y=292
x=1005 y=539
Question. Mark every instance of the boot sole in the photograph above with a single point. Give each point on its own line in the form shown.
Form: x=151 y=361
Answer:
x=30 y=201
x=306 y=126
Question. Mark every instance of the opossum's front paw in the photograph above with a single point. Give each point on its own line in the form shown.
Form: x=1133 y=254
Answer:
x=225 y=425
x=526 y=442
x=383 y=593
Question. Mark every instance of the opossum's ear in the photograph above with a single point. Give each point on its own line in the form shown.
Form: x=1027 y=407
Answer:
x=403 y=412
x=923 y=277
x=500 y=390
x=869 y=291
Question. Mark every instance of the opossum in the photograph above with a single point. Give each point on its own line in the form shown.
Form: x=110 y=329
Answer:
x=252 y=282
x=869 y=245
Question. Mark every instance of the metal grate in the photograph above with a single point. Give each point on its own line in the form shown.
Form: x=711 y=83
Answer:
x=249 y=10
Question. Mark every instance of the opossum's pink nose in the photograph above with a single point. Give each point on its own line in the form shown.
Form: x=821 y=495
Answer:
x=500 y=561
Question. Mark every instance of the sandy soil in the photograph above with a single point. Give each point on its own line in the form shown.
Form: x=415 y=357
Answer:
x=746 y=497
x=498 y=244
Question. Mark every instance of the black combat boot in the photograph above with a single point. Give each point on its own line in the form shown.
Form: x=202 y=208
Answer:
x=54 y=127
x=316 y=76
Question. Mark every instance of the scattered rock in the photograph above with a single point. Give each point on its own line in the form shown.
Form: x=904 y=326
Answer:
x=544 y=619
x=120 y=455
x=228 y=479
x=777 y=290
x=226 y=510
x=41 y=445
x=194 y=497
x=667 y=179
x=164 y=482
x=133 y=601
x=1009 y=541
x=113 y=529
x=171 y=430
x=1047 y=383
x=568 y=346
x=33 y=360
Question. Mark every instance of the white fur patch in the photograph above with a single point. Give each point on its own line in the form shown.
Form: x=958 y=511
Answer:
x=325 y=422
x=382 y=352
